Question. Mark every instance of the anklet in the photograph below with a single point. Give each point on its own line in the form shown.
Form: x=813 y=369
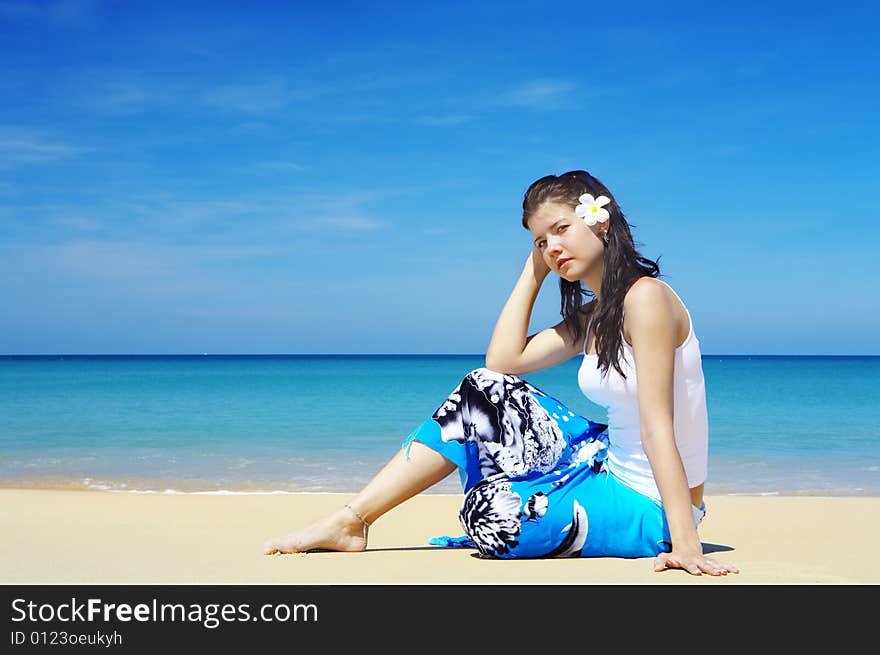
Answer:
x=360 y=518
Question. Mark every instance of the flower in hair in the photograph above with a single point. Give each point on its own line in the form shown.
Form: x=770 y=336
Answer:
x=591 y=210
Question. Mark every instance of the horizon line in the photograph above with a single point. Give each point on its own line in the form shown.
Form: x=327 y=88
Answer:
x=205 y=354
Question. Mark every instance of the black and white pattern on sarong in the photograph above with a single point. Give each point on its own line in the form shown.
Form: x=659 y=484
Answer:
x=513 y=432
x=490 y=516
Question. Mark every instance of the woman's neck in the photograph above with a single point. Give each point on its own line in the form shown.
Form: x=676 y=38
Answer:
x=593 y=280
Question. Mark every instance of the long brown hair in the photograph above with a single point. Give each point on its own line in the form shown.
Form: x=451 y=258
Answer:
x=623 y=265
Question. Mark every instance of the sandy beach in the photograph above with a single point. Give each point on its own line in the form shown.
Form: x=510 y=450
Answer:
x=95 y=537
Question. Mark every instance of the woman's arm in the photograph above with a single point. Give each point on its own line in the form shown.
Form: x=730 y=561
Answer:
x=510 y=351
x=650 y=314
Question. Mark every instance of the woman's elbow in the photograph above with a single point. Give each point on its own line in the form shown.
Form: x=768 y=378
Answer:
x=657 y=438
x=499 y=366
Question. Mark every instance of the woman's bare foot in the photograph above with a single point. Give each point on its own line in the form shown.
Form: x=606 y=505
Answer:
x=341 y=531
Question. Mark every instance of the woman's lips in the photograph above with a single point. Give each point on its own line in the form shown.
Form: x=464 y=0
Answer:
x=563 y=262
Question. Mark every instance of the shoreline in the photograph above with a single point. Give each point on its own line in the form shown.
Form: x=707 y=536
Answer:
x=76 y=537
x=170 y=491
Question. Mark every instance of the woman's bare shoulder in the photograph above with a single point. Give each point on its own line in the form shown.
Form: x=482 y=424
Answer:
x=650 y=293
x=652 y=301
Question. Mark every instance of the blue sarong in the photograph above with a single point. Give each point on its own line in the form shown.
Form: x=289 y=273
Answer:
x=534 y=476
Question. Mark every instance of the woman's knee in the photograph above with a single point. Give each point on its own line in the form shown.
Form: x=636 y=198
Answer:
x=489 y=515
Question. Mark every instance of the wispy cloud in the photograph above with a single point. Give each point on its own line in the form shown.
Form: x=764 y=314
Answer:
x=353 y=97
x=141 y=272
x=438 y=120
x=120 y=92
x=285 y=166
x=266 y=96
x=132 y=91
x=26 y=146
x=159 y=217
x=328 y=202
x=164 y=212
x=329 y=103
x=539 y=95
x=346 y=222
x=83 y=223
x=124 y=258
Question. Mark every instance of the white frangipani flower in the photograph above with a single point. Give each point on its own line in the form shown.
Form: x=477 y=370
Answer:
x=590 y=209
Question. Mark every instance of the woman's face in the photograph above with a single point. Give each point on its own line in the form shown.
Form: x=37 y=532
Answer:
x=571 y=248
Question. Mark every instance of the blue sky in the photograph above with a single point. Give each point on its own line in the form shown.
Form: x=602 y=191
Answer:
x=339 y=177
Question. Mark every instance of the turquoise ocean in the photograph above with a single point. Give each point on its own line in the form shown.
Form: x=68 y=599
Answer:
x=326 y=423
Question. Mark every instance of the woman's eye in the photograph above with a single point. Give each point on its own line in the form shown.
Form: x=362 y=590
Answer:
x=562 y=227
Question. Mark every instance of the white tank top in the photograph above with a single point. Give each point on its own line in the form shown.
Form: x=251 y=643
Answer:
x=627 y=460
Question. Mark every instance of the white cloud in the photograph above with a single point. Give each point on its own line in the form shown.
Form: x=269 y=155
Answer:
x=266 y=96
x=120 y=92
x=137 y=259
x=25 y=146
x=196 y=211
x=121 y=96
x=312 y=212
x=122 y=274
x=163 y=212
x=540 y=94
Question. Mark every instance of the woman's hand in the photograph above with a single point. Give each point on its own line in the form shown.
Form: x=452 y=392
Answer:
x=692 y=562
x=535 y=262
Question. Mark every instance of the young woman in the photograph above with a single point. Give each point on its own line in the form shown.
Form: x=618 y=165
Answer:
x=539 y=480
